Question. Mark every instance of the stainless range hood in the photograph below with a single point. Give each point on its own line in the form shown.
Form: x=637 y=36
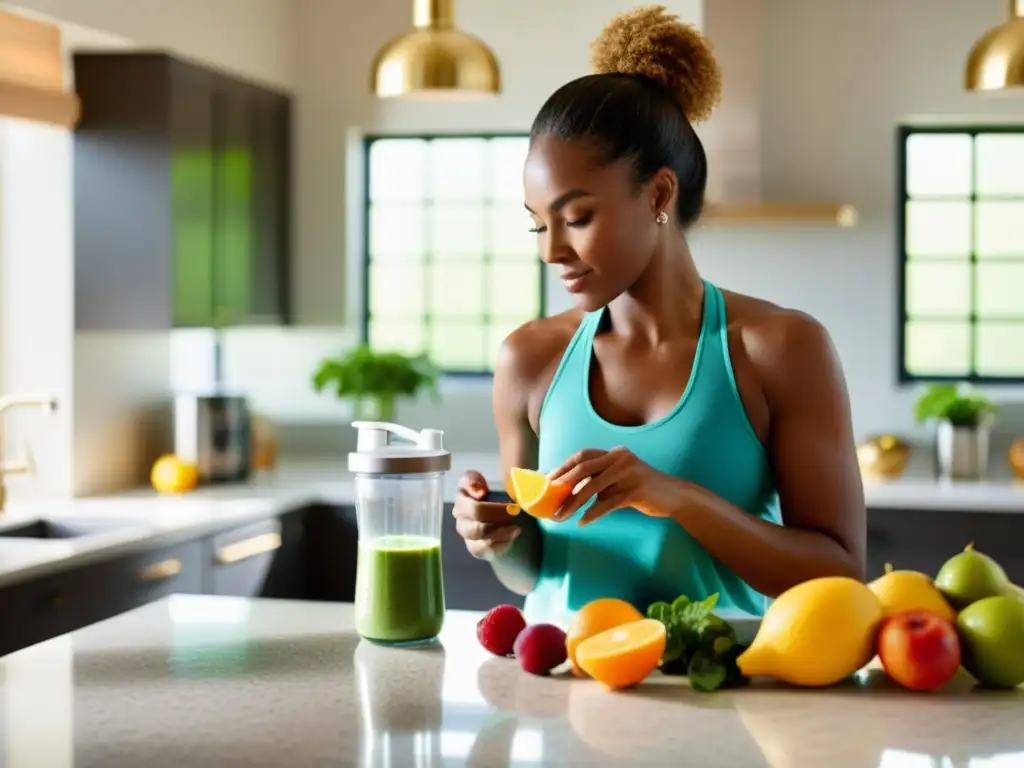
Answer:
x=732 y=137
x=32 y=72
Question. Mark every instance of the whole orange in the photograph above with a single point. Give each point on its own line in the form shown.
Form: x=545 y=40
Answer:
x=594 y=618
x=171 y=474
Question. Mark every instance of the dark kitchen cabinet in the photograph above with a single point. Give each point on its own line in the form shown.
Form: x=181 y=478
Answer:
x=43 y=608
x=264 y=559
x=182 y=196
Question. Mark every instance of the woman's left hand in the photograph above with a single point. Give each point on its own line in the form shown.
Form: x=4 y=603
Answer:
x=618 y=479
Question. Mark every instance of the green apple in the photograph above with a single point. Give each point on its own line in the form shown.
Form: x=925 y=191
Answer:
x=992 y=640
x=970 y=576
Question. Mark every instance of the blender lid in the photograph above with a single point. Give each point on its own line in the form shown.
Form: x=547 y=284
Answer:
x=422 y=453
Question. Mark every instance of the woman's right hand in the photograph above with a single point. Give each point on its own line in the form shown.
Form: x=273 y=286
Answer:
x=486 y=526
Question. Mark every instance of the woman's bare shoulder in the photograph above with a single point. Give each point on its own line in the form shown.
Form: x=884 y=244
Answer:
x=530 y=350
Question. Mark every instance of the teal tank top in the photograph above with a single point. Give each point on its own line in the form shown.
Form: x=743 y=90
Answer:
x=706 y=439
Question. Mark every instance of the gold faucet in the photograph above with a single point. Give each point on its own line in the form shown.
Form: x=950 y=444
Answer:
x=26 y=465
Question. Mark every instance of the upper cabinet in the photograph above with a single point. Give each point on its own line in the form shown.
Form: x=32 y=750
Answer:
x=182 y=196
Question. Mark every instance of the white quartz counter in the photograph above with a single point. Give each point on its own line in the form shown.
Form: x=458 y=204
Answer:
x=215 y=681
x=146 y=519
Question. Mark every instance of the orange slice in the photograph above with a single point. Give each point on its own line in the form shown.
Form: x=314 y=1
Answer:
x=594 y=618
x=536 y=494
x=625 y=655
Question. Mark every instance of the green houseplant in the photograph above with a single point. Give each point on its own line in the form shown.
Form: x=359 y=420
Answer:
x=959 y=405
x=373 y=381
x=963 y=417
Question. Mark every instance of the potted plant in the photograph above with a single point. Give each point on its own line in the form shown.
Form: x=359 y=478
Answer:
x=374 y=381
x=964 y=418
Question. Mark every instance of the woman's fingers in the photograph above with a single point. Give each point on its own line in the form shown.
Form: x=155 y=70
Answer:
x=473 y=484
x=572 y=464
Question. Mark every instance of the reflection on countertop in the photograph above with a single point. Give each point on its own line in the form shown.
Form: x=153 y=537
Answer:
x=196 y=680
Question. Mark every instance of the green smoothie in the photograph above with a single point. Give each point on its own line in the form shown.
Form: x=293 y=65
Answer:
x=399 y=592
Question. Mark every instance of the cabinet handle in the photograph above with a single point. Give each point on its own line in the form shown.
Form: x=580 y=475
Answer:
x=165 y=569
x=246 y=548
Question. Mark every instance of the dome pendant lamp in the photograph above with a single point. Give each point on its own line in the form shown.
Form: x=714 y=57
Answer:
x=996 y=63
x=435 y=59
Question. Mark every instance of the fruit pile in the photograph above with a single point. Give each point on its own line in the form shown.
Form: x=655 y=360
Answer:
x=922 y=630
x=610 y=641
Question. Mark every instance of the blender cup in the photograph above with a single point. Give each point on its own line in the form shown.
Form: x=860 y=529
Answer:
x=399 y=598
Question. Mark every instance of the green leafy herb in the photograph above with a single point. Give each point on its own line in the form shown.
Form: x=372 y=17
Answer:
x=706 y=672
x=698 y=643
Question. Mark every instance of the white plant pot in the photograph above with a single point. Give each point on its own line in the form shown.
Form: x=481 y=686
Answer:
x=962 y=451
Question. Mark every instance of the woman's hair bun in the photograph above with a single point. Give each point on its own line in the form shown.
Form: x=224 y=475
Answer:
x=649 y=41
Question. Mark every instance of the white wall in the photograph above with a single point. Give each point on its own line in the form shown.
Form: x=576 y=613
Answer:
x=254 y=38
x=837 y=78
x=113 y=388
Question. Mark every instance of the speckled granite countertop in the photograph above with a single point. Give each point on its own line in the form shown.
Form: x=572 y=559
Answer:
x=215 y=681
x=145 y=519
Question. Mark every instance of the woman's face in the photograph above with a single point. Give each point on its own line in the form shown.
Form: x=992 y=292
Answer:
x=590 y=219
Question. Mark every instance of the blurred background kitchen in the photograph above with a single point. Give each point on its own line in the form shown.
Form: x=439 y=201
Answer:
x=230 y=220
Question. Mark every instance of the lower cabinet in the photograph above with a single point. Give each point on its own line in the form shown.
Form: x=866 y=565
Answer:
x=922 y=540
x=264 y=559
x=53 y=605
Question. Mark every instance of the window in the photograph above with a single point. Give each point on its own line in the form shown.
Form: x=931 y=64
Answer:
x=451 y=266
x=961 y=234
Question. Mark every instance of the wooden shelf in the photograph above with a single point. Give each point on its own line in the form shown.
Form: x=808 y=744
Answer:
x=32 y=83
x=836 y=214
x=39 y=104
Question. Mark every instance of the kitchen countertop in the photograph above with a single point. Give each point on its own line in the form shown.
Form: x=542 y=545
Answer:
x=146 y=519
x=216 y=681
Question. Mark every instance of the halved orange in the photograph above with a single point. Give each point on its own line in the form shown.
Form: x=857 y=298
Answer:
x=594 y=618
x=625 y=655
x=536 y=494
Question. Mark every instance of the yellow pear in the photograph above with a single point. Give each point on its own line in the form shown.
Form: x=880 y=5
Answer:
x=902 y=591
x=816 y=633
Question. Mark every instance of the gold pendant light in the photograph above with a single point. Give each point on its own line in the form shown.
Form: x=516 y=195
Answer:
x=996 y=63
x=435 y=59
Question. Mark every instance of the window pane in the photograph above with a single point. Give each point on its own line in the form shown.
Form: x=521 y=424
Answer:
x=506 y=172
x=457 y=169
x=515 y=289
x=939 y=164
x=457 y=230
x=938 y=289
x=509 y=231
x=397 y=336
x=497 y=331
x=1000 y=164
x=938 y=349
x=457 y=290
x=397 y=169
x=1000 y=350
x=396 y=290
x=939 y=229
x=397 y=231
x=1000 y=229
x=1000 y=290
x=459 y=346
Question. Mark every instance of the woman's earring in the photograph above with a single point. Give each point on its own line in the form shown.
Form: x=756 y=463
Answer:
x=662 y=218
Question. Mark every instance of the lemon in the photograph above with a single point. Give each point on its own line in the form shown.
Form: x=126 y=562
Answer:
x=816 y=633
x=171 y=474
x=901 y=591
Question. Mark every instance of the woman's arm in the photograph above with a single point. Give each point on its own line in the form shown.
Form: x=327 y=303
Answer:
x=518 y=566
x=814 y=465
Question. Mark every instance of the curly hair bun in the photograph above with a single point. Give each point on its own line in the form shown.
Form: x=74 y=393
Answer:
x=649 y=41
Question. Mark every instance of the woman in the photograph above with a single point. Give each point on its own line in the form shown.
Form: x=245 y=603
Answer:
x=714 y=427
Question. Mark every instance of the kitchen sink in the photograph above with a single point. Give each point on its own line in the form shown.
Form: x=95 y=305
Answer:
x=60 y=529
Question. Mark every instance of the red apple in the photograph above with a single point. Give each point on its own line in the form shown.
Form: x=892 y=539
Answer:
x=919 y=650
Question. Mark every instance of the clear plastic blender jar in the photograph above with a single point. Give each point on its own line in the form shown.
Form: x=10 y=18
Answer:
x=399 y=596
